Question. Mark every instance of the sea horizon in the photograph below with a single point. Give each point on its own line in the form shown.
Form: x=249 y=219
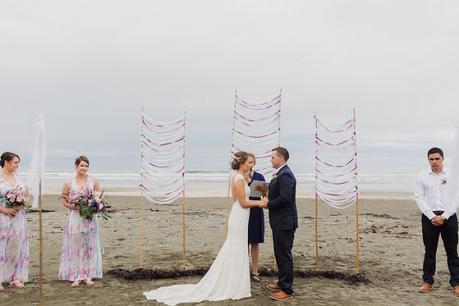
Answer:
x=215 y=183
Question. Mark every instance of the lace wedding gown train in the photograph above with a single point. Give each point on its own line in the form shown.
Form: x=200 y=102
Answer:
x=228 y=277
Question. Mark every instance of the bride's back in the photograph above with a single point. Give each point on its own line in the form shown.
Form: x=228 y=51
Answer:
x=234 y=186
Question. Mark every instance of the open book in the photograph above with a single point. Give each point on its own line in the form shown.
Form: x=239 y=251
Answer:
x=259 y=188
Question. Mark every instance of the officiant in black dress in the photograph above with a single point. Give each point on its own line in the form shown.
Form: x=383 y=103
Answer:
x=256 y=228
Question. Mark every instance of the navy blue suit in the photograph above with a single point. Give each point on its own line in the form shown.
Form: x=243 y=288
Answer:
x=283 y=219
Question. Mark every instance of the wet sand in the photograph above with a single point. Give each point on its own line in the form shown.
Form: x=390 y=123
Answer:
x=391 y=254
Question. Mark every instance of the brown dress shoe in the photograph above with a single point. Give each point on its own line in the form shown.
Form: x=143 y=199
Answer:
x=426 y=287
x=273 y=287
x=456 y=290
x=281 y=296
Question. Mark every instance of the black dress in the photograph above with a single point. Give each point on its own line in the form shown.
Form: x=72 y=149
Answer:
x=256 y=219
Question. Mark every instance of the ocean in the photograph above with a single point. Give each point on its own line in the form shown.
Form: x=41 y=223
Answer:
x=216 y=183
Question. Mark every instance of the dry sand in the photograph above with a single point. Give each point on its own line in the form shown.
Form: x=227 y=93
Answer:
x=391 y=254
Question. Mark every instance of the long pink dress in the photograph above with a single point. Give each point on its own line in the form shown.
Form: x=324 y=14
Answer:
x=14 y=241
x=81 y=254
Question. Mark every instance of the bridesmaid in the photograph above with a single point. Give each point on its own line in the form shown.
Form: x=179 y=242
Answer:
x=81 y=255
x=256 y=228
x=14 y=240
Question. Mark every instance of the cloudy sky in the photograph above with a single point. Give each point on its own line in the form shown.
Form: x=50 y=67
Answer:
x=88 y=66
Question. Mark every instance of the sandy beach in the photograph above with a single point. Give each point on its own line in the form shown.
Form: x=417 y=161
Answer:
x=391 y=254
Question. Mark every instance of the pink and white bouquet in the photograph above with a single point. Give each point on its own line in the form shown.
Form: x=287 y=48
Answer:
x=90 y=203
x=16 y=196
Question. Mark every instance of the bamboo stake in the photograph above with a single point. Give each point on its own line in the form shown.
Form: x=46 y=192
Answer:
x=42 y=302
x=316 y=234
x=142 y=205
x=142 y=230
x=357 y=204
x=357 y=237
x=228 y=201
x=184 y=261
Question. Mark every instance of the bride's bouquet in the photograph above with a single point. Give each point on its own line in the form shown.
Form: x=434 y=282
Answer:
x=90 y=203
x=15 y=197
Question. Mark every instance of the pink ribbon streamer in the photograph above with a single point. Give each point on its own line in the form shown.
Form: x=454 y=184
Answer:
x=335 y=144
x=160 y=131
x=336 y=183
x=345 y=127
x=273 y=117
x=336 y=165
x=162 y=144
x=338 y=175
x=257 y=136
x=336 y=194
x=273 y=100
x=162 y=124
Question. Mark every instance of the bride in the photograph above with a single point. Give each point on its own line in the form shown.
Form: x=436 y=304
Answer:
x=228 y=277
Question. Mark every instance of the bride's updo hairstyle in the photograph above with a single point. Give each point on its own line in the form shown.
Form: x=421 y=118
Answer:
x=6 y=157
x=239 y=159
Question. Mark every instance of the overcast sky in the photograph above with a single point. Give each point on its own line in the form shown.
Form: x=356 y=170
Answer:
x=88 y=66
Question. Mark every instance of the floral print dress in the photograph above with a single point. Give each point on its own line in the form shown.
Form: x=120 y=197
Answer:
x=81 y=254
x=14 y=240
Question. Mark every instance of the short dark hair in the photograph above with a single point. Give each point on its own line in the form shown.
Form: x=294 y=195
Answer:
x=435 y=150
x=6 y=157
x=81 y=158
x=282 y=152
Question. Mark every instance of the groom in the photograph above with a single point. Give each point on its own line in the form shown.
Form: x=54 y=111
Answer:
x=284 y=221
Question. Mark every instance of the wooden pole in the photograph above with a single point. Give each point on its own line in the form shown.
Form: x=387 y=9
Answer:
x=142 y=230
x=357 y=237
x=357 y=204
x=40 y=253
x=228 y=200
x=316 y=233
x=184 y=261
x=142 y=204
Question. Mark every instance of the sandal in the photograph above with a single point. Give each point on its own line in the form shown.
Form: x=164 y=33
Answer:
x=17 y=284
x=255 y=277
x=1 y=288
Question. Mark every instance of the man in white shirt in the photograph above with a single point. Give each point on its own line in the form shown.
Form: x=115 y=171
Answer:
x=438 y=218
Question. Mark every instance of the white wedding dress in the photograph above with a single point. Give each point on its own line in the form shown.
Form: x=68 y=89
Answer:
x=229 y=275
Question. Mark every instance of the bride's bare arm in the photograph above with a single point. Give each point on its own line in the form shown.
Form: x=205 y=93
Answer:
x=239 y=188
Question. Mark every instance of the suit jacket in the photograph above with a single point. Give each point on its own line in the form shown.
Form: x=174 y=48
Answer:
x=282 y=205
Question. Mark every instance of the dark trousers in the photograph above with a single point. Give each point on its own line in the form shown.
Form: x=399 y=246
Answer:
x=430 y=235
x=283 y=243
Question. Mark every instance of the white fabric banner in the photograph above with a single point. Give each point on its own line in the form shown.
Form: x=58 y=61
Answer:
x=37 y=165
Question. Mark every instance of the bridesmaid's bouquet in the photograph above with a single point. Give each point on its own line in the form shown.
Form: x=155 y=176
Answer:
x=90 y=203
x=16 y=196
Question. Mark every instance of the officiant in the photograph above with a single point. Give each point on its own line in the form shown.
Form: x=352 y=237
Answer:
x=256 y=231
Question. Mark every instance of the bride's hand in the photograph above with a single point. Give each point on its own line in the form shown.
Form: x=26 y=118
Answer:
x=264 y=203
